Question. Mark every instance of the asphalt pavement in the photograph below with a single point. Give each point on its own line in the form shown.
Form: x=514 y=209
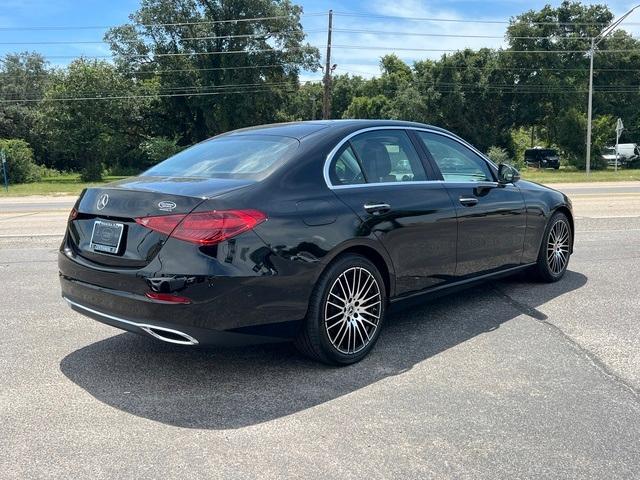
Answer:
x=511 y=379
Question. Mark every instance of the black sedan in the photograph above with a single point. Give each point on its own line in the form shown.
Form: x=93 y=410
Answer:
x=307 y=231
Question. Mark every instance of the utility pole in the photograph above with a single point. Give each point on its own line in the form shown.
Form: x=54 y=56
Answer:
x=594 y=43
x=3 y=158
x=590 y=105
x=619 y=130
x=326 y=100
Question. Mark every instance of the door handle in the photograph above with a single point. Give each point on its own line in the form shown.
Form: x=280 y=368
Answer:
x=468 y=201
x=377 y=207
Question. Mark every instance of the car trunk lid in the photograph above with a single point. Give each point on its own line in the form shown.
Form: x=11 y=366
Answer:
x=105 y=232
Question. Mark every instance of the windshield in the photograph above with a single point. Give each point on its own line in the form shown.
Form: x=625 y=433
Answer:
x=237 y=156
x=609 y=151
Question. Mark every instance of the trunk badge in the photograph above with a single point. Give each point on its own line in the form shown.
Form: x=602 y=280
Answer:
x=102 y=201
x=166 y=206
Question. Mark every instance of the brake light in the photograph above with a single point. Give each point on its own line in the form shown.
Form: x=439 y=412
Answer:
x=73 y=214
x=205 y=228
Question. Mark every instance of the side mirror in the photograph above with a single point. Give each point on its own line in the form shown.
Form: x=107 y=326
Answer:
x=507 y=174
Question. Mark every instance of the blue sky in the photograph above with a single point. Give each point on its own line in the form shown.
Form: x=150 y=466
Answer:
x=29 y=13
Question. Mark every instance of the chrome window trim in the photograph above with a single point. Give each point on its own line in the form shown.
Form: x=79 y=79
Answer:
x=334 y=151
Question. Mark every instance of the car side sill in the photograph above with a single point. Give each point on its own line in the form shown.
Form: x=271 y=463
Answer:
x=448 y=288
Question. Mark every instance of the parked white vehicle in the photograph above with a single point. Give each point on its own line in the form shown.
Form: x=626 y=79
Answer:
x=627 y=153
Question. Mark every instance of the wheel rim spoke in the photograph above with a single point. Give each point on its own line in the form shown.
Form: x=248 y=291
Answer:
x=558 y=247
x=352 y=310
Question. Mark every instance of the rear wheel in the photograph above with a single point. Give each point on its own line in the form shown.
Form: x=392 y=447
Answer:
x=553 y=257
x=345 y=314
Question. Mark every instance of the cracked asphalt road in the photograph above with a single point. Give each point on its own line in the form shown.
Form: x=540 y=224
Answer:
x=511 y=379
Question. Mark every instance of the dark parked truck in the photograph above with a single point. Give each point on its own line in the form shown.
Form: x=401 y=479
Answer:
x=542 y=158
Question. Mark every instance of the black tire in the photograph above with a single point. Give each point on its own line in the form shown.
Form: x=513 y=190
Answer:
x=314 y=339
x=556 y=167
x=545 y=269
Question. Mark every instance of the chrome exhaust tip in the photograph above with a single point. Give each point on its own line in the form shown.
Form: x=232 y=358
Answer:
x=169 y=335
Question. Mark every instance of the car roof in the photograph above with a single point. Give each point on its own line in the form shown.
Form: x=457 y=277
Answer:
x=300 y=130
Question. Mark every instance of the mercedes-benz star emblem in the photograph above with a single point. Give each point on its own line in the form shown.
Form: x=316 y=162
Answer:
x=102 y=201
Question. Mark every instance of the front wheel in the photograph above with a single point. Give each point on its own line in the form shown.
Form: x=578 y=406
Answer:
x=555 y=250
x=345 y=313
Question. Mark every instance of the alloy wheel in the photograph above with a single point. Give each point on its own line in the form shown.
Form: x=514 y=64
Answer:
x=352 y=310
x=558 y=247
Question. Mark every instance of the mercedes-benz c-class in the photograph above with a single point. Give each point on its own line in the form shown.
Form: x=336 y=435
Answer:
x=306 y=231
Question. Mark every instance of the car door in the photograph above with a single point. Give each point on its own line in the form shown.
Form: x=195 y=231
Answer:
x=381 y=176
x=491 y=216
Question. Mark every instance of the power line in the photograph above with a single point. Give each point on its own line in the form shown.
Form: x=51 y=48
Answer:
x=450 y=35
x=180 y=54
x=182 y=39
x=461 y=20
x=407 y=49
x=446 y=89
x=345 y=47
x=131 y=97
x=136 y=73
x=184 y=89
x=489 y=69
x=339 y=30
x=172 y=24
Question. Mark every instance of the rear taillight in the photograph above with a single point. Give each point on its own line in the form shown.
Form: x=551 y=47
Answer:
x=73 y=214
x=205 y=228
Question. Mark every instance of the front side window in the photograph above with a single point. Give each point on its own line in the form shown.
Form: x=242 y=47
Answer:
x=456 y=162
x=234 y=156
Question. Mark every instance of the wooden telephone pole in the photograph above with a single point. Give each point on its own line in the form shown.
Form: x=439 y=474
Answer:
x=326 y=99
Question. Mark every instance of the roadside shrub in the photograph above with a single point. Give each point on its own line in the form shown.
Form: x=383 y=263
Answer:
x=498 y=154
x=92 y=172
x=122 y=171
x=47 y=172
x=21 y=167
x=157 y=149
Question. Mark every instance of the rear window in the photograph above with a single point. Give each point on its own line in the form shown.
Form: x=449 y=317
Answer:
x=236 y=156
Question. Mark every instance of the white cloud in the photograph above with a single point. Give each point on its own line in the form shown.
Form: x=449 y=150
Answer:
x=376 y=36
x=365 y=61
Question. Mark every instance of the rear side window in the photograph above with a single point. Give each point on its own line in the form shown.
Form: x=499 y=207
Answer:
x=456 y=162
x=346 y=168
x=235 y=156
x=379 y=156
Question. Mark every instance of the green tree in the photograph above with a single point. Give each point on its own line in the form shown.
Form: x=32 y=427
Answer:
x=243 y=71
x=87 y=130
x=368 y=107
x=157 y=149
x=21 y=167
x=23 y=76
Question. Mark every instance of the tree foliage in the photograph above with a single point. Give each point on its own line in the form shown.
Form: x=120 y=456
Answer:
x=21 y=167
x=185 y=70
x=248 y=69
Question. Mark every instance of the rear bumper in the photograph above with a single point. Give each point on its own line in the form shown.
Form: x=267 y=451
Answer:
x=232 y=313
x=177 y=334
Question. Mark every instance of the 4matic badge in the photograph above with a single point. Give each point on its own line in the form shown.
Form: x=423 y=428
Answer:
x=166 y=206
